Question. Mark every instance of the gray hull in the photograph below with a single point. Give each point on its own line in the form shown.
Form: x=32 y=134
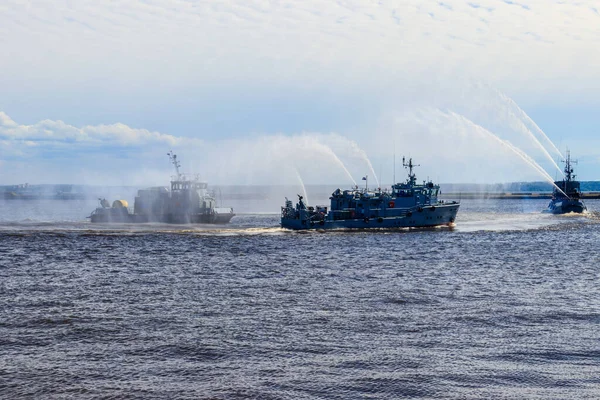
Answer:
x=427 y=217
x=108 y=216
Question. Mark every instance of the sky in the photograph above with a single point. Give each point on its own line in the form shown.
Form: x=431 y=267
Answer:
x=258 y=92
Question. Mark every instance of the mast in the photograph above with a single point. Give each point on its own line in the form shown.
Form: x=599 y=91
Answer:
x=176 y=163
x=412 y=179
x=567 y=186
x=568 y=169
x=394 y=182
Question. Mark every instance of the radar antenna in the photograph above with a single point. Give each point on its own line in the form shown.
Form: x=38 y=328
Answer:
x=177 y=164
x=412 y=179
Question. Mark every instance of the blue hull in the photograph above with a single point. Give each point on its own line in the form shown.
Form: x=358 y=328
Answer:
x=406 y=205
x=565 y=206
x=428 y=217
x=571 y=207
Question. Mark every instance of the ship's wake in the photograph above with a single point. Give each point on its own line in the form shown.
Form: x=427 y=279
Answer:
x=592 y=215
x=87 y=229
x=228 y=231
x=493 y=222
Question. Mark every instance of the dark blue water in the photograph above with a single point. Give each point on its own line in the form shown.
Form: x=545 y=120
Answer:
x=506 y=305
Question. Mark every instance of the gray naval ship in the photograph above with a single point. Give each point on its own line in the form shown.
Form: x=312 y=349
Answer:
x=407 y=205
x=568 y=198
x=188 y=202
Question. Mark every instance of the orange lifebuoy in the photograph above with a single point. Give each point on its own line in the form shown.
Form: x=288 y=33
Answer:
x=391 y=204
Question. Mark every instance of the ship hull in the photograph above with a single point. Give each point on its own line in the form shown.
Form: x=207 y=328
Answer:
x=111 y=217
x=427 y=217
x=566 y=206
x=188 y=202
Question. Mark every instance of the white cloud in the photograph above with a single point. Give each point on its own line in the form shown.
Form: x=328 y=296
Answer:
x=518 y=46
x=54 y=151
x=57 y=132
x=6 y=121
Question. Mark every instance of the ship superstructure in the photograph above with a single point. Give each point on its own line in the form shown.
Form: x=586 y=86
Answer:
x=407 y=204
x=568 y=198
x=187 y=201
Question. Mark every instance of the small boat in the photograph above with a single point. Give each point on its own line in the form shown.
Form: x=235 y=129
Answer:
x=406 y=205
x=566 y=197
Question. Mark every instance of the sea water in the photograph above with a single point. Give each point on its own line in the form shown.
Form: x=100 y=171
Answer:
x=504 y=305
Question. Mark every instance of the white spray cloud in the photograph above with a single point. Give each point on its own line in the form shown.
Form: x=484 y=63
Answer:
x=274 y=159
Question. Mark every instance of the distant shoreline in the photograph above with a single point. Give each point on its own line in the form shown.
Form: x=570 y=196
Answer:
x=511 y=196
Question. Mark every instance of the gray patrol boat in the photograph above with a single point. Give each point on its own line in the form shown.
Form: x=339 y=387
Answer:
x=568 y=198
x=188 y=202
x=407 y=205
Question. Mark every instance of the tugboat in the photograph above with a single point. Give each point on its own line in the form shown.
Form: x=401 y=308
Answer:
x=566 y=197
x=407 y=205
x=188 y=202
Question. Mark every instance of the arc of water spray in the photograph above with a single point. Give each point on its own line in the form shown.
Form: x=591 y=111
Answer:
x=528 y=119
x=372 y=170
x=548 y=156
x=532 y=162
x=353 y=149
x=538 y=143
x=364 y=156
x=302 y=184
x=510 y=146
x=521 y=118
x=327 y=150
